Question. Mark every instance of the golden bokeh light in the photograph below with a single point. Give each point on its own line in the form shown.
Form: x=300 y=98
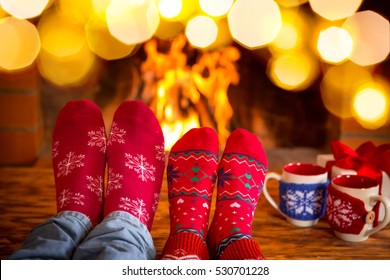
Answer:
x=100 y=7
x=24 y=9
x=168 y=29
x=287 y=38
x=59 y=36
x=335 y=9
x=224 y=38
x=132 y=21
x=102 y=43
x=371 y=106
x=293 y=71
x=339 y=85
x=216 y=8
x=178 y=10
x=370 y=33
x=334 y=44
x=170 y=9
x=290 y=3
x=72 y=70
x=2 y=13
x=76 y=10
x=254 y=24
x=20 y=43
x=201 y=31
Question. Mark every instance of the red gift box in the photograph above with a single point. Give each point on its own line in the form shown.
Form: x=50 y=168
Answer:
x=367 y=160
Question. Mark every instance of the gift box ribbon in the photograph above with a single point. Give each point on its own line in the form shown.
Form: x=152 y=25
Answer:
x=367 y=160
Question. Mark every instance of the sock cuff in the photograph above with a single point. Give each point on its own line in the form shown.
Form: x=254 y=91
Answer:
x=185 y=246
x=242 y=249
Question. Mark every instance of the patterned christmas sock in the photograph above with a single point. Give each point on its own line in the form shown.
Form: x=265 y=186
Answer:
x=78 y=156
x=191 y=174
x=241 y=175
x=136 y=162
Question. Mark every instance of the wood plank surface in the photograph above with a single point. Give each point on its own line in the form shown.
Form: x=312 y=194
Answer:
x=27 y=198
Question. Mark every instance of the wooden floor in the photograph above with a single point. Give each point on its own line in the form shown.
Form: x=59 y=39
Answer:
x=27 y=198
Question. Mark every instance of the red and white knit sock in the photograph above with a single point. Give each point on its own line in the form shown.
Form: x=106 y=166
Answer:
x=136 y=162
x=79 y=158
x=241 y=173
x=191 y=174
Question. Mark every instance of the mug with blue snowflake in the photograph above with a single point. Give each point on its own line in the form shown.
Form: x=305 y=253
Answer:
x=302 y=192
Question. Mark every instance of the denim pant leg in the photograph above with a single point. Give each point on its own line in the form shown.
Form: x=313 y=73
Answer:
x=120 y=236
x=56 y=238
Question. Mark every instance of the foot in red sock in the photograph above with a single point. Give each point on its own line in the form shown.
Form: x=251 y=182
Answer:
x=241 y=173
x=78 y=155
x=191 y=174
x=136 y=162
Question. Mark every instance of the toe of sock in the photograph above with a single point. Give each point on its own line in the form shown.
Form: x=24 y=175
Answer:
x=204 y=139
x=242 y=141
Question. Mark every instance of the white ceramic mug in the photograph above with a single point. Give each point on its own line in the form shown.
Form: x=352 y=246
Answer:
x=302 y=193
x=350 y=203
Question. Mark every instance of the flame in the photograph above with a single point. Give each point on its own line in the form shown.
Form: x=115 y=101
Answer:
x=180 y=94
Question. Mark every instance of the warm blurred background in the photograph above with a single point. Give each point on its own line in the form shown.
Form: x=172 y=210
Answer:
x=297 y=73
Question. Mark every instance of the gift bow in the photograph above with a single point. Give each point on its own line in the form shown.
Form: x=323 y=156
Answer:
x=368 y=159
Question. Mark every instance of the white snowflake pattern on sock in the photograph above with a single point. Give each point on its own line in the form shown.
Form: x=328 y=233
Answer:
x=95 y=185
x=160 y=152
x=156 y=200
x=98 y=138
x=139 y=164
x=54 y=149
x=114 y=181
x=136 y=207
x=70 y=162
x=67 y=197
x=116 y=134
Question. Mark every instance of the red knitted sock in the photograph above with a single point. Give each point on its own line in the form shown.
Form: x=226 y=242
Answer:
x=241 y=175
x=136 y=161
x=78 y=155
x=191 y=174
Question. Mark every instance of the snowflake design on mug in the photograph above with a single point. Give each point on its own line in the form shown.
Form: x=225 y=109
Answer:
x=341 y=212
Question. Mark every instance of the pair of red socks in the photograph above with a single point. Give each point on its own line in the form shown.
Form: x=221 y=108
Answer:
x=192 y=172
x=133 y=153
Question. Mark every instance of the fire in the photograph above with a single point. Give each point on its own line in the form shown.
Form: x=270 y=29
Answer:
x=182 y=95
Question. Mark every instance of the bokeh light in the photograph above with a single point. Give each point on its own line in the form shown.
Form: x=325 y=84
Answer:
x=2 y=12
x=60 y=36
x=293 y=71
x=72 y=70
x=216 y=8
x=132 y=21
x=65 y=58
x=287 y=38
x=339 y=85
x=24 y=9
x=201 y=31
x=334 y=44
x=370 y=33
x=254 y=23
x=20 y=43
x=170 y=9
x=290 y=3
x=76 y=10
x=371 y=106
x=101 y=42
x=335 y=9
x=168 y=29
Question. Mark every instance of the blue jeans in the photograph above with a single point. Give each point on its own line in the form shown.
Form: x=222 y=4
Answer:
x=69 y=235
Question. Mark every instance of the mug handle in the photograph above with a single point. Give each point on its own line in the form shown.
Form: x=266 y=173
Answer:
x=273 y=175
x=386 y=219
